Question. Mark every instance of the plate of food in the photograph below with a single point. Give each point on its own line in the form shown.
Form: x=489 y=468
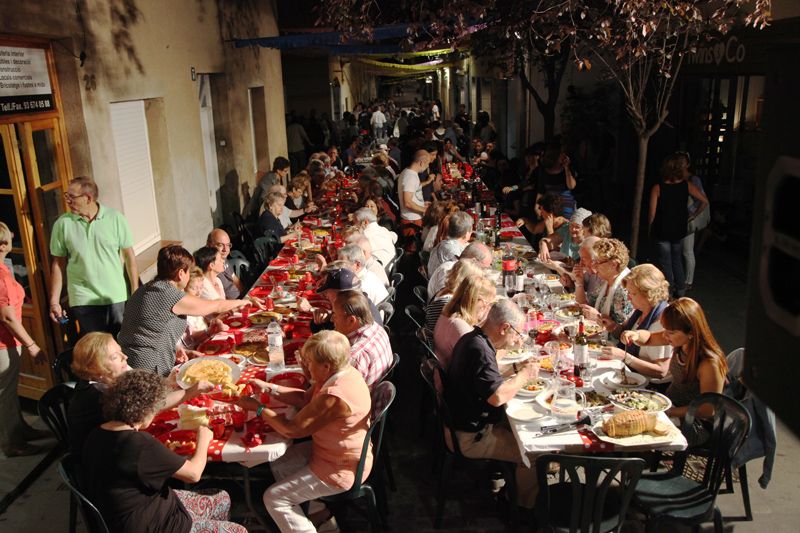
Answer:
x=522 y=412
x=635 y=428
x=264 y=318
x=544 y=326
x=544 y=278
x=565 y=298
x=569 y=312
x=181 y=441
x=237 y=322
x=625 y=379
x=215 y=347
x=251 y=349
x=216 y=370
x=532 y=388
x=596 y=399
x=595 y=347
x=640 y=399
x=516 y=356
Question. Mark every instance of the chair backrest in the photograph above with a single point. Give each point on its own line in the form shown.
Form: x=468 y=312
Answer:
x=387 y=311
x=53 y=407
x=730 y=426
x=432 y=372
x=421 y=292
x=91 y=515
x=397 y=279
x=62 y=367
x=382 y=397
x=590 y=479
x=392 y=294
x=266 y=248
x=237 y=263
x=391 y=268
x=390 y=372
x=416 y=315
x=424 y=338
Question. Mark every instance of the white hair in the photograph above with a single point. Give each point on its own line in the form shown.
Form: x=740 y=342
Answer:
x=365 y=213
x=504 y=312
x=352 y=253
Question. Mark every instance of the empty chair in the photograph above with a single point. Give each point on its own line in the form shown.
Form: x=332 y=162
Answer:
x=91 y=515
x=416 y=315
x=421 y=292
x=593 y=494
x=396 y=279
x=386 y=310
x=53 y=407
x=391 y=268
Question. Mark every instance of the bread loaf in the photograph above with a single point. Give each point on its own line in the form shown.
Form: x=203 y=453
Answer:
x=629 y=423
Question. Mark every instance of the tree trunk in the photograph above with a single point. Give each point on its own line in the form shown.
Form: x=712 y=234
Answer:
x=549 y=116
x=638 y=192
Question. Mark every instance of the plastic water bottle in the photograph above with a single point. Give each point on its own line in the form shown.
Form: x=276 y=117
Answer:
x=275 y=342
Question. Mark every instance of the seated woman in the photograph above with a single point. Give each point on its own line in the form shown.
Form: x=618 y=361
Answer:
x=334 y=412
x=648 y=291
x=566 y=239
x=98 y=361
x=609 y=302
x=462 y=269
x=548 y=207
x=596 y=225
x=126 y=470
x=697 y=365
x=155 y=315
x=298 y=191
x=198 y=329
x=209 y=260
x=468 y=307
x=434 y=214
x=268 y=223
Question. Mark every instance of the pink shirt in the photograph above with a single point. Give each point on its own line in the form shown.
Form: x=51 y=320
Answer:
x=13 y=294
x=336 y=447
x=445 y=336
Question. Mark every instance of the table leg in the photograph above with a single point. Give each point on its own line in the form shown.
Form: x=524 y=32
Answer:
x=248 y=499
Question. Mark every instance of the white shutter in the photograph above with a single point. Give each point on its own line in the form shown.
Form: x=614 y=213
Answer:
x=129 y=129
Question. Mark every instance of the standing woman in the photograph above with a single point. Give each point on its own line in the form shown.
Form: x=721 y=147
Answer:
x=555 y=176
x=697 y=365
x=157 y=312
x=668 y=218
x=699 y=217
x=14 y=431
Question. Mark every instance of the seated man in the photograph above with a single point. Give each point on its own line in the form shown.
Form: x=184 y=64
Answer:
x=475 y=250
x=476 y=392
x=458 y=233
x=382 y=240
x=370 y=350
x=220 y=240
x=337 y=276
x=372 y=265
x=370 y=284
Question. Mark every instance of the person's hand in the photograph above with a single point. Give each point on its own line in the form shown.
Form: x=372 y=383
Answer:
x=612 y=352
x=56 y=312
x=38 y=355
x=260 y=383
x=507 y=190
x=193 y=354
x=304 y=306
x=204 y=436
x=565 y=280
x=257 y=302
x=201 y=387
x=217 y=325
x=590 y=312
x=180 y=356
x=629 y=337
x=544 y=252
x=565 y=161
x=579 y=271
x=529 y=371
x=608 y=323
x=321 y=316
x=310 y=208
x=549 y=223
x=520 y=222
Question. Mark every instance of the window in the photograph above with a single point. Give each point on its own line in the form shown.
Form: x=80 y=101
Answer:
x=132 y=145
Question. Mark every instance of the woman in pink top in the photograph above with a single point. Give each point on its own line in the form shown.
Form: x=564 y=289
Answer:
x=14 y=431
x=468 y=308
x=335 y=413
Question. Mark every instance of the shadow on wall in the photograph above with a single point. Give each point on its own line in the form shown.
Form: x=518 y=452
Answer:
x=229 y=197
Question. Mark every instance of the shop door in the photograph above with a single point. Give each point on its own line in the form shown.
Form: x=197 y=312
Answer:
x=34 y=172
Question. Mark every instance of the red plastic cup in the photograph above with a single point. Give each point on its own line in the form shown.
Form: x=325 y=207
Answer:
x=218 y=427
x=238 y=419
x=246 y=311
x=238 y=335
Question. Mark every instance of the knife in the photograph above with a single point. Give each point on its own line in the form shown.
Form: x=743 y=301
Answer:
x=559 y=428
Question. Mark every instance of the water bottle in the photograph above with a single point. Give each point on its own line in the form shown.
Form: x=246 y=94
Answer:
x=275 y=342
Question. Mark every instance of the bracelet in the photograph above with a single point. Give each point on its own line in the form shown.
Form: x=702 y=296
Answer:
x=260 y=409
x=33 y=343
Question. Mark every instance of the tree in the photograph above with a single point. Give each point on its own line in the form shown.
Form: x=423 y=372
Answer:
x=641 y=44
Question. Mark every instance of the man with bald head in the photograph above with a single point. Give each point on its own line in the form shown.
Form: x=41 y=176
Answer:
x=220 y=240
x=475 y=250
x=409 y=190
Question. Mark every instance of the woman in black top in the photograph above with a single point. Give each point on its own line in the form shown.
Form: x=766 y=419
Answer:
x=668 y=219
x=126 y=470
x=554 y=175
x=268 y=223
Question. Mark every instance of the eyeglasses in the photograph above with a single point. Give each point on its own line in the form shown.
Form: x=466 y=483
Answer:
x=223 y=245
x=516 y=331
x=597 y=263
x=73 y=197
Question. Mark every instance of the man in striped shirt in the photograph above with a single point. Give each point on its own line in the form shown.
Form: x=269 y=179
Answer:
x=370 y=350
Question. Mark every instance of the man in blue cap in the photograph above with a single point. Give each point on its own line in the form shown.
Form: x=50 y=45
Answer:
x=336 y=277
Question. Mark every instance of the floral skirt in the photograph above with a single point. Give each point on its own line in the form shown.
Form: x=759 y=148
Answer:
x=210 y=510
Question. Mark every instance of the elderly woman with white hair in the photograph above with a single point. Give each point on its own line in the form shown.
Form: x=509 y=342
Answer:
x=566 y=238
x=370 y=284
x=372 y=265
x=382 y=240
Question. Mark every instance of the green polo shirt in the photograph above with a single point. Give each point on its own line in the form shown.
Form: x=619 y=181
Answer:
x=94 y=266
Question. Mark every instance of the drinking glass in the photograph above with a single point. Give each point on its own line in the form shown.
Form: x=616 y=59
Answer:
x=568 y=401
x=510 y=285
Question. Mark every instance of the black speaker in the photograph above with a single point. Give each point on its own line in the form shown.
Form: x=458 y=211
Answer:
x=773 y=309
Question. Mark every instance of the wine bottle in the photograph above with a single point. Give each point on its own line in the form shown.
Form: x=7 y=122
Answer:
x=581 y=349
x=520 y=276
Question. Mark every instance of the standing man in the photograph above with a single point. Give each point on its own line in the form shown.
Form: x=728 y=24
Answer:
x=378 y=122
x=278 y=176
x=296 y=142
x=409 y=191
x=86 y=243
x=231 y=283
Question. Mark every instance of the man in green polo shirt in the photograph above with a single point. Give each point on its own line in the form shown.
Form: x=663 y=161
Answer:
x=86 y=243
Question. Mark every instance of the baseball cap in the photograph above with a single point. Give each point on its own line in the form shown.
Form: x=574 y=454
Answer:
x=340 y=279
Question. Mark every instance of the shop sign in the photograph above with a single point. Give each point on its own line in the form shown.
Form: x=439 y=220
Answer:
x=731 y=51
x=24 y=81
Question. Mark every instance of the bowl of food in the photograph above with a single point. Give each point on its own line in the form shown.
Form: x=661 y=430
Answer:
x=569 y=312
x=532 y=388
x=640 y=399
x=216 y=370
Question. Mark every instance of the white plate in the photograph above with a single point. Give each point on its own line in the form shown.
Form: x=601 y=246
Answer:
x=665 y=402
x=236 y=372
x=643 y=439
x=637 y=380
x=516 y=358
x=522 y=412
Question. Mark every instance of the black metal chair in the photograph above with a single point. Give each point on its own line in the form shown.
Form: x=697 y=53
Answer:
x=62 y=367
x=267 y=249
x=449 y=455
x=53 y=407
x=382 y=397
x=237 y=263
x=91 y=515
x=416 y=315
x=391 y=296
x=421 y=292
x=670 y=497
x=396 y=279
x=593 y=493
x=386 y=310
x=391 y=268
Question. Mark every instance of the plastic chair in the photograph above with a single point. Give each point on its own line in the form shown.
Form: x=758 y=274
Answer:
x=593 y=494
x=62 y=367
x=390 y=297
x=390 y=372
x=391 y=268
x=382 y=397
x=416 y=315
x=91 y=515
x=237 y=263
x=421 y=292
x=53 y=407
x=397 y=279
x=387 y=311
x=445 y=457
x=267 y=248
x=670 y=497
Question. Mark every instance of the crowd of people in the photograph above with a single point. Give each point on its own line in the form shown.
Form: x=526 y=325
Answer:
x=130 y=345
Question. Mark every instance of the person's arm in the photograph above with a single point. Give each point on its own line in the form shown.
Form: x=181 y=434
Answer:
x=192 y=469
x=654 y=369
x=571 y=182
x=176 y=397
x=643 y=337
x=711 y=380
x=129 y=258
x=320 y=411
x=651 y=213
x=194 y=306
x=237 y=283
x=8 y=316
x=511 y=386
x=410 y=204
x=58 y=268
x=287 y=395
x=701 y=198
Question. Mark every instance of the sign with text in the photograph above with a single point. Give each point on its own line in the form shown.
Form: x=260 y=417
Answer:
x=24 y=81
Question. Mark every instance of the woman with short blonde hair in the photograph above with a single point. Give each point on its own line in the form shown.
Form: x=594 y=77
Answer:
x=468 y=308
x=608 y=302
x=328 y=347
x=462 y=269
